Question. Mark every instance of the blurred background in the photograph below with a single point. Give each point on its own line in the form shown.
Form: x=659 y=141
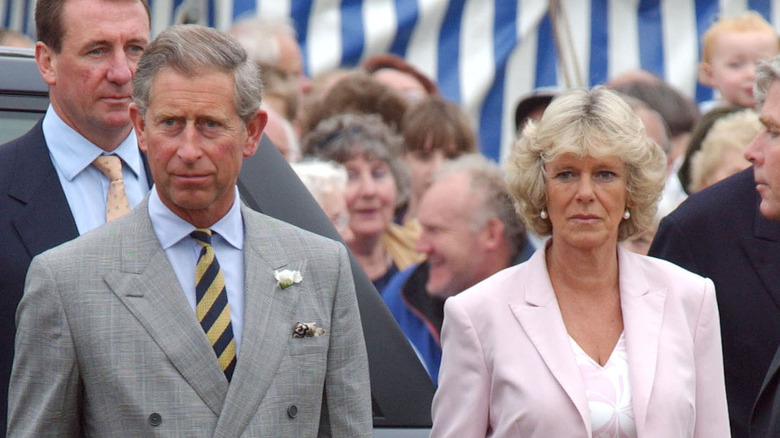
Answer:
x=484 y=54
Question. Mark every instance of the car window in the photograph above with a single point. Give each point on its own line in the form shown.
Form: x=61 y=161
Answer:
x=13 y=124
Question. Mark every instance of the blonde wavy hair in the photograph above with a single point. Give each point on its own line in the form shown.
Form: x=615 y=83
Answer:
x=732 y=132
x=596 y=123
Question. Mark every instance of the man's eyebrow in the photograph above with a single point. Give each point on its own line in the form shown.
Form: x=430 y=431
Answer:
x=141 y=41
x=104 y=42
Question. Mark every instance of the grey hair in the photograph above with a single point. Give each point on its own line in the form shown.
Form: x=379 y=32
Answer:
x=258 y=35
x=638 y=106
x=487 y=183
x=767 y=71
x=346 y=136
x=597 y=123
x=192 y=50
x=321 y=177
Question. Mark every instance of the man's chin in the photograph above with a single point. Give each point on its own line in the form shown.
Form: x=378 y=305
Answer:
x=436 y=290
x=770 y=210
x=114 y=121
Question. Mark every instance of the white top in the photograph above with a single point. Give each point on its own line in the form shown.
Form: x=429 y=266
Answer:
x=609 y=392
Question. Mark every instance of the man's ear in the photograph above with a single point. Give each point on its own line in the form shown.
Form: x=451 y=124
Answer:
x=705 y=74
x=494 y=233
x=139 y=124
x=254 y=130
x=47 y=61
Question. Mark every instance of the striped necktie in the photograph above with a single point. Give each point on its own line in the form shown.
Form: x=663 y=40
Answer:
x=212 y=308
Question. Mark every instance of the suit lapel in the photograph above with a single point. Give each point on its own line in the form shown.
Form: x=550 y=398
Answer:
x=540 y=317
x=762 y=251
x=643 y=310
x=268 y=310
x=46 y=220
x=147 y=285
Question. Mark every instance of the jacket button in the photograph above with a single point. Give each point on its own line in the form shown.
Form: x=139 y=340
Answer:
x=292 y=411
x=155 y=419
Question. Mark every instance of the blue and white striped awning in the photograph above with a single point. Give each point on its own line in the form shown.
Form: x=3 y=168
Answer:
x=484 y=54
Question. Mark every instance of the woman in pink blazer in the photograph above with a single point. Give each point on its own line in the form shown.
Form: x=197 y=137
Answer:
x=585 y=339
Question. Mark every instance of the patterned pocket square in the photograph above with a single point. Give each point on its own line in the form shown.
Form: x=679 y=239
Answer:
x=307 y=330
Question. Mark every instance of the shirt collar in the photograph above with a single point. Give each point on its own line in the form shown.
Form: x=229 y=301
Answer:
x=72 y=153
x=170 y=228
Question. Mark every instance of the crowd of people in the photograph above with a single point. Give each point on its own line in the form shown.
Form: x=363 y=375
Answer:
x=525 y=288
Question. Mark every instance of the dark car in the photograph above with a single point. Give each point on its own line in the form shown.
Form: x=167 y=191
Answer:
x=400 y=388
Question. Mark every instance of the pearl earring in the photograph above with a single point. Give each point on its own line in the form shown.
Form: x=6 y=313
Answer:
x=627 y=215
x=543 y=214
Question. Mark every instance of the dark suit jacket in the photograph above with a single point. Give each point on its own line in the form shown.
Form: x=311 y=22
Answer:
x=720 y=233
x=34 y=216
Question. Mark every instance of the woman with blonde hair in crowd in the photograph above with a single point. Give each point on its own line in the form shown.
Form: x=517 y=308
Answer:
x=585 y=339
x=722 y=152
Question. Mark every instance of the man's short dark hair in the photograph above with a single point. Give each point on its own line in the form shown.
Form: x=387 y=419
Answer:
x=48 y=21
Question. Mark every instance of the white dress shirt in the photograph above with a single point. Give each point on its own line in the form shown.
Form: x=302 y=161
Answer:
x=84 y=185
x=183 y=251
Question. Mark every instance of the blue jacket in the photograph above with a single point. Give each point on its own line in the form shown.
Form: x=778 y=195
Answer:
x=419 y=315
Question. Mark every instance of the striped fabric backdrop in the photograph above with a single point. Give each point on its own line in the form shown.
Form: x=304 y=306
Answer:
x=484 y=54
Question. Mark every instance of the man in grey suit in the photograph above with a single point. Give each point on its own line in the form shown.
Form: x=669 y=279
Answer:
x=87 y=53
x=144 y=327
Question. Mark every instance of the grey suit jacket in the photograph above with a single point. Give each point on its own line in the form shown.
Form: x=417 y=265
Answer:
x=107 y=344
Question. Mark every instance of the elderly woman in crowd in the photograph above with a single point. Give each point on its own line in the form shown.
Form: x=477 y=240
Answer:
x=376 y=184
x=585 y=339
x=327 y=183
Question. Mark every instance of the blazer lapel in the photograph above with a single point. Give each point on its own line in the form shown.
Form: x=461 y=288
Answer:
x=541 y=319
x=46 y=220
x=643 y=310
x=762 y=251
x=147 y=285
x=268 y=310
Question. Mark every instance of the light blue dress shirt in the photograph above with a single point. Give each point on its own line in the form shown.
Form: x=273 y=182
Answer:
x=183 y=251
x=84 y=185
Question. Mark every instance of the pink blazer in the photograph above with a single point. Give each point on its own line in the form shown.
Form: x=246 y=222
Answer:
x=508 y=369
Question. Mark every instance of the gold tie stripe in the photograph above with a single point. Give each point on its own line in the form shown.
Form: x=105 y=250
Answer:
x=212 y=308
x=116 y=200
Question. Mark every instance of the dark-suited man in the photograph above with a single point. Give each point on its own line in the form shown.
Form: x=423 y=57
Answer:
x=50 y=193
x=764 y=153
x=192 y=315
x=722 y=234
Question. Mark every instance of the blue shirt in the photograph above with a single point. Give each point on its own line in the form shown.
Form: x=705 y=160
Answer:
x=183 y=251
x=84 y=185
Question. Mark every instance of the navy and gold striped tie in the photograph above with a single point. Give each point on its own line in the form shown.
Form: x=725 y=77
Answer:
x=212 y=308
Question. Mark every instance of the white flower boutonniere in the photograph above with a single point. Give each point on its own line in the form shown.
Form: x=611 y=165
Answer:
x=286 y=278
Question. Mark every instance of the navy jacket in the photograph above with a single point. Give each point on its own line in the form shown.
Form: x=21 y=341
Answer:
x=720 y=233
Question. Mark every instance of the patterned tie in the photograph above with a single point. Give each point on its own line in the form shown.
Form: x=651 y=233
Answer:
x=212 y=309
x=116 y=201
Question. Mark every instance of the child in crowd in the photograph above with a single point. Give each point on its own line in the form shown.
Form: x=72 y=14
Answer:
x=730 y=49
